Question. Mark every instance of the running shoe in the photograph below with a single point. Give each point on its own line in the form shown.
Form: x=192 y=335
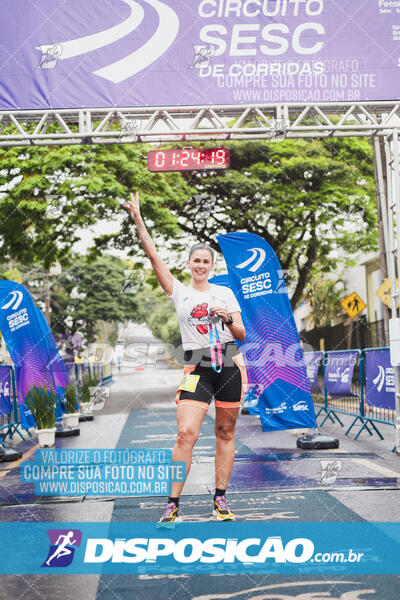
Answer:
x=221 y=510
x=170 y=514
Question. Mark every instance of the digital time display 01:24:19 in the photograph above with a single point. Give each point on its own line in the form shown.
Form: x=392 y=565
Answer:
x=188 y=159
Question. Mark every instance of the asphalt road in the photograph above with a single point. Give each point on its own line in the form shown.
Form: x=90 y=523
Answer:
x=272 y=481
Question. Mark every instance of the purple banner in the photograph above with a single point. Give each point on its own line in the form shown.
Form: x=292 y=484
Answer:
x=313 y=363
x=5 y=386
x=122 y=53
x=339 y=372
x=379 y=379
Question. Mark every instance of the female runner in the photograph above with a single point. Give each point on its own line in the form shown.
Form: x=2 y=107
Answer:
x=210 y=321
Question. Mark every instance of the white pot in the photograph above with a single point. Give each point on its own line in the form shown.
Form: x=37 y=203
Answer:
x=46 y=437
x=71 y=419
x=87 y=408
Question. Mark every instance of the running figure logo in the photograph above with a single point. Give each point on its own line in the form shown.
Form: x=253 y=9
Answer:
x=50 y=55
x=330 y=470
x=203 y=53
x=62 y=547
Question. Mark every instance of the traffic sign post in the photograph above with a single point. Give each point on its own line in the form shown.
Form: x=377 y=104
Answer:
x=353 y=305
x=384 y=292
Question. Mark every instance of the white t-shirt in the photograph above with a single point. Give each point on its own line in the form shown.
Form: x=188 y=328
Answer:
x=193 y=307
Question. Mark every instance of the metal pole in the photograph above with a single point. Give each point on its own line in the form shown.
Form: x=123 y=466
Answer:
x=395 y=175
x=381 y=197
x=361 y=362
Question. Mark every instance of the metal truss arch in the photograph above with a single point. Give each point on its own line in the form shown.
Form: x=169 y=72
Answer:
x=196 y=123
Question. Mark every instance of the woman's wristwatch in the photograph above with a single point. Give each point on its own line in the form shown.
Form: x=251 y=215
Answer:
x=229 y=321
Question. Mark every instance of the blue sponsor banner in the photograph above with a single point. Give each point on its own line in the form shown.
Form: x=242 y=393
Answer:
x=272 y=350
x=5 y=386
x=27 y=341
x=379 y=379
x=339 y=370
x=201 y=548
x=313 y=363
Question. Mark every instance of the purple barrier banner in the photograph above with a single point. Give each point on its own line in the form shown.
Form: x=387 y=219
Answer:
x=121 y=53
x=339 y=372
x=5 y=386
x=379 y=379
x=313 y=362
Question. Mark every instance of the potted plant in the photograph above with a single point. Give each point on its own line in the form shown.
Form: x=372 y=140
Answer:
x=88 y=381
x=41 y=403
x=71 y=416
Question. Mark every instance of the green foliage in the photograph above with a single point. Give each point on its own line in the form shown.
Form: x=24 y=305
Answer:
x=88 y=381
x=313 y=201
x=159 y=313
x=49 y=194
x=91 y=291
x=70 y=398
x=41 y=402
x=324 y=297
x=112 y=338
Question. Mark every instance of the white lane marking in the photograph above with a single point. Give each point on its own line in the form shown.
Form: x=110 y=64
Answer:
x=103 y=38
x=155 y=47
x=375 y=467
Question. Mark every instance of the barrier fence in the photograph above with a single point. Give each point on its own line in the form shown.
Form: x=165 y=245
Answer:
x=359 y=383
x=9 y=415
x=10 y=418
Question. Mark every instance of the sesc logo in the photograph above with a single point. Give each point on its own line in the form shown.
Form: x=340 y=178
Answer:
x=15 y=300
x=133 y=62
x=379 y=380
x=62 y=547
x=300 y=405
x=257 y=257
x=191 y=550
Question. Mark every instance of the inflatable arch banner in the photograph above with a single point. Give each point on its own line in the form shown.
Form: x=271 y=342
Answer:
x=126 y=53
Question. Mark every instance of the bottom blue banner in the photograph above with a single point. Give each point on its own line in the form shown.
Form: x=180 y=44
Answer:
x=250 y=547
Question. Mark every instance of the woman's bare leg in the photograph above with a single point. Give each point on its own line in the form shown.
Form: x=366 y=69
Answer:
x=189 y=419
x=225 y=422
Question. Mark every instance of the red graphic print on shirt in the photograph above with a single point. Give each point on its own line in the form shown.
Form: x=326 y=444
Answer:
x=198 y=312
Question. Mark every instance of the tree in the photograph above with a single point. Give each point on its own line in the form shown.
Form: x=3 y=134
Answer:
x=313 y=201
x=324 y=297
x=157 y=309
x=89 y=293
x=48 y=194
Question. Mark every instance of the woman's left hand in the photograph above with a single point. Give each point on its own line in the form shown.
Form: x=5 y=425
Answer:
x=221 y=312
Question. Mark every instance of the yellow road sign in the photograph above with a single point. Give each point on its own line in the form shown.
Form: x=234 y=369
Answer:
x=353 y=305
x=383 y=292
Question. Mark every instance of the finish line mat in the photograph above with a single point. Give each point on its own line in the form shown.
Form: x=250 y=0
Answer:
x=158 y=430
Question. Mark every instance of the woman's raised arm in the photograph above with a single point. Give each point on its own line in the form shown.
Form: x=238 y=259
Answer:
x=161 y=270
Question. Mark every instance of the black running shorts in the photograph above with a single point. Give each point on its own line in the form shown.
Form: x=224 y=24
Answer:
x=200 y=382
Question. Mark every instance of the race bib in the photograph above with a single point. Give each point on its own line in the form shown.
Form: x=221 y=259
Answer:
x=189 y=383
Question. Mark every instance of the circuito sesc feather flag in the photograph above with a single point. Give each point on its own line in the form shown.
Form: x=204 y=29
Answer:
x=278 y=387
x=30 y=343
